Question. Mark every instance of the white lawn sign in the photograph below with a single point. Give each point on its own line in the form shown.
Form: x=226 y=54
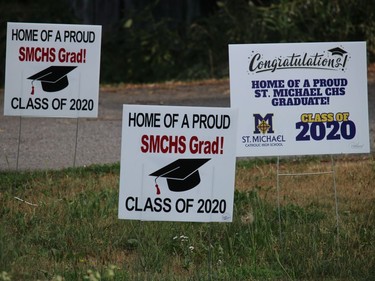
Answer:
x=52 y=70
x=177 y=163
x=300 y=98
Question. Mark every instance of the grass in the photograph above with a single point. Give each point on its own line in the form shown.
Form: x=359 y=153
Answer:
x=62 y=225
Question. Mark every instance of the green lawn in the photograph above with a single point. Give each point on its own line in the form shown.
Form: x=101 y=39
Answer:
x=62 y=225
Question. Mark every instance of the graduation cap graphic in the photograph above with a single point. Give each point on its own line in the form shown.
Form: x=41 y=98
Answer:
x=337 y=51
x=181 y=174
x=53 y=78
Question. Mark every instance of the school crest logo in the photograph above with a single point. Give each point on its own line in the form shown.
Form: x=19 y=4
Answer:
x=263 y=125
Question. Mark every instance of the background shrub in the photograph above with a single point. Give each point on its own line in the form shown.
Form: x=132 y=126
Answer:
x=152 y=42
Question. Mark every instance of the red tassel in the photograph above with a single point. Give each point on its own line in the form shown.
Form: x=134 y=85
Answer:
x=157 y=189
x=32 y=90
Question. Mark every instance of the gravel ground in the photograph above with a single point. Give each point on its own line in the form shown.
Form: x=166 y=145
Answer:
x=55 y=143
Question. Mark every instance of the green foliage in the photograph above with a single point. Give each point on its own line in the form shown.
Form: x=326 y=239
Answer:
x=153 y=50
x=142 y=50
x=146 y=48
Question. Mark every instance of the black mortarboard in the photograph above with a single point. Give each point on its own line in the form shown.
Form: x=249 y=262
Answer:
x=181 y=174
x=337 y=51
x=53 y=78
